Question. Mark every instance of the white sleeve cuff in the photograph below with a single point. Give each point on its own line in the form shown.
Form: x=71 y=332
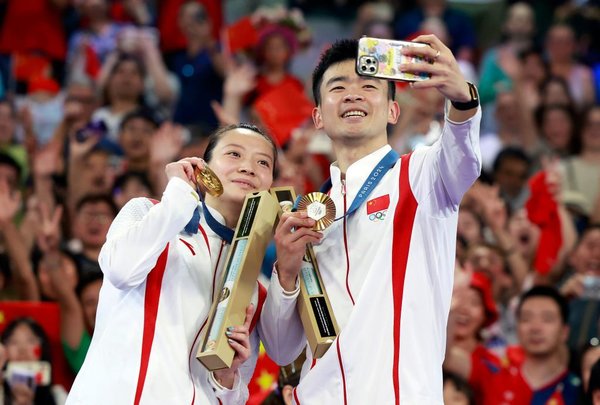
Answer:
x=277 y=286
x=218 y=387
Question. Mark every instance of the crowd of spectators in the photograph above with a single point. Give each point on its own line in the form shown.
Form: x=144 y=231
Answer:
x=97 y=96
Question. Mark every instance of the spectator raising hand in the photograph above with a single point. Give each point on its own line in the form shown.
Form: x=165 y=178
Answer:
x=493 y=212
x=49 y=235
x=165 y=146
x=22 y=272
x=53 y=260
x=10 y=202
x=240 y=79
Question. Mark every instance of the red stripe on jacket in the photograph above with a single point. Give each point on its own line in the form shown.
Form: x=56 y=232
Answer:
x=404 y=218
x=151 y=301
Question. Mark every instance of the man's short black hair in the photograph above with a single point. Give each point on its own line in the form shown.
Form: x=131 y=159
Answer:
x=97 y=198
x=87 y=279
x=143 y=113
x=514 y=153
x=548 y=292
x=122 y=180
x=341 y=51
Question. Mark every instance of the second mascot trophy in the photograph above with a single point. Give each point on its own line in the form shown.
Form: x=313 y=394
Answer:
x=254 y=231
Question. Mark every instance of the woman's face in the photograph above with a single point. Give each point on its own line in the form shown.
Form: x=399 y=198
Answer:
x=135 y=138
x=591 y=130
x=555 y=93
x=23 y=345
x=276 y=51
x=557 y=128
x=126 y=82
x=469 y=226
x=524 y=232
x=243 y=160
x=560 y=44
x=469 y=314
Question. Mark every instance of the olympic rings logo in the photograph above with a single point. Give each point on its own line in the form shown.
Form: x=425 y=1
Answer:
x=377 y=216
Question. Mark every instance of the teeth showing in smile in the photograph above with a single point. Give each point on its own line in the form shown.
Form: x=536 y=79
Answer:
x=354 y=113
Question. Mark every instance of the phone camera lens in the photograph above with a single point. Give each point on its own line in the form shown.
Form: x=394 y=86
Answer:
x=363 y=68
x=371 y=69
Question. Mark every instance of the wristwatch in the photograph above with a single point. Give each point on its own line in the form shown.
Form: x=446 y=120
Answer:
x=468 y=105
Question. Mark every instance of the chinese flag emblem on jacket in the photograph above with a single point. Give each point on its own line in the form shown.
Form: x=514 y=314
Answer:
x=556 y=398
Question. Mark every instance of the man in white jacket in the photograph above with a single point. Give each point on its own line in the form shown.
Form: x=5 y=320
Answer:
x=387 y=263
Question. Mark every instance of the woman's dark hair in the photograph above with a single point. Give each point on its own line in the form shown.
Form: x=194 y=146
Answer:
x=37 y=331
x=43 y=394
x=543 y=88
x=216 y=136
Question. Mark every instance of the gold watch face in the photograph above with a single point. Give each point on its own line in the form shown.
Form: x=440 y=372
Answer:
x=208 y=181
x=319 y=207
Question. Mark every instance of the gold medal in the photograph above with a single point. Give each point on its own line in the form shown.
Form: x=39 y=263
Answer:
x=208 y=180
x=319 y=207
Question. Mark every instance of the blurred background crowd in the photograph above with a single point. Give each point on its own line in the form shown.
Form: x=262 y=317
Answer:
x=97 y=96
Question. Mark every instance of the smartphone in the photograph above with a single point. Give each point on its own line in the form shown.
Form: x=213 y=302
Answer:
x=30 y=373
x=591 y=287
x=380 y=58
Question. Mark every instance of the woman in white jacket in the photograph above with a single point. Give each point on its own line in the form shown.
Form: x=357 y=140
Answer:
x=159 y=284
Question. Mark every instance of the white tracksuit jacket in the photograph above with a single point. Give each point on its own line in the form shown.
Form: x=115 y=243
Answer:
x=388 y=270
x=154 y=303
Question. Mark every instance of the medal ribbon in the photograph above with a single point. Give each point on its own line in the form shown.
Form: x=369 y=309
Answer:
x=223 y=231
x=384 y=165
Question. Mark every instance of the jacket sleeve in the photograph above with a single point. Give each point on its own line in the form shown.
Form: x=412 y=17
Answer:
x=442 y=173
x=238 y=394
x=280 y=327
x=141 y=231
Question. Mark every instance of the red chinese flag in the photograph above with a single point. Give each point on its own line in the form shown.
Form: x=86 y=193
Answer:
x=92 y=62
x=240 y=35
x=264 y=379
x=47 y=314
x=378 y=204
x=282 y=110
x=26 y=66
x=542 y=210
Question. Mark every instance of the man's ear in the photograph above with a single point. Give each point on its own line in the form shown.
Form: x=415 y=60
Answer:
x=287 y=393
x=393 y=112
x=317 y=119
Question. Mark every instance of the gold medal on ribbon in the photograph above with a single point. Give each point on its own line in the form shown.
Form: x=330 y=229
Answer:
x=208 y=180
x=319 y=207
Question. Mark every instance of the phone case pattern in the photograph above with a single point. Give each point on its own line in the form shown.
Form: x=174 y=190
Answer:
x=380 y=58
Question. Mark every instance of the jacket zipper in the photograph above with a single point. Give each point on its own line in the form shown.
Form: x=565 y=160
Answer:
x=346 y=244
